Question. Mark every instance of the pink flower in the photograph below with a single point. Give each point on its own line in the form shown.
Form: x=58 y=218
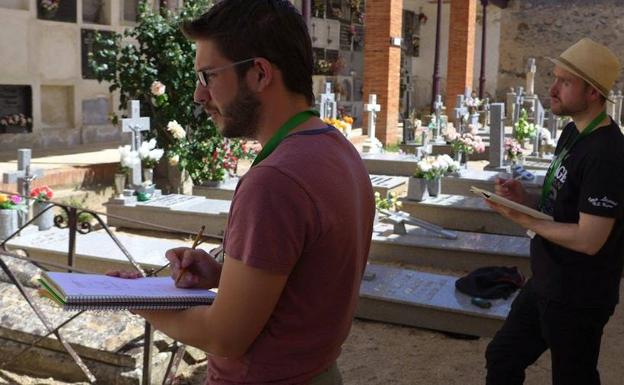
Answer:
x=16 y=199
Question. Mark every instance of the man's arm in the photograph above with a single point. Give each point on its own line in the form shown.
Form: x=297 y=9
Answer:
x=246 y=299
x=587 y=236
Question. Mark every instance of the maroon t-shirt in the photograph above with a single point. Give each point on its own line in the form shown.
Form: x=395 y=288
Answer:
x=307 y=211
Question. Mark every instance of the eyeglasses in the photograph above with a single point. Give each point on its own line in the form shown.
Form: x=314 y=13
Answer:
x=204 y=76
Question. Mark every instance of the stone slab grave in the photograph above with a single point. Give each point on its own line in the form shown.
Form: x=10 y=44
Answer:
x=459 y=212
x=460 y=184
x=425 y=300
x=186 y=213
x=394 y=164
x=224 y=190
x=466 y=253
x=385 y=184
x=96 y=251
x=382 y=183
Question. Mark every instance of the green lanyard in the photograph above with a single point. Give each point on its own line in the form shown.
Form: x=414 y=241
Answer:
x=282 y=132
x=550 y=175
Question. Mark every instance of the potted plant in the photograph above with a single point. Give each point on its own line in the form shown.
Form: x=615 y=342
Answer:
x=49 y=8
x=431 y=169
x=523 y=130
x=42 y=196
x=150 y=156
x=9 y=207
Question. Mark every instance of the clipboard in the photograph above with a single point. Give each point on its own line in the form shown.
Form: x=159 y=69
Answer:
x=509 y=203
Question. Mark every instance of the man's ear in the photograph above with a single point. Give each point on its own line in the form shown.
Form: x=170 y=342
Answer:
x=261 y=75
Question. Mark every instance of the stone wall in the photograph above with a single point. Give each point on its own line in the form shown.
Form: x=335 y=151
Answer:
x=541 y=28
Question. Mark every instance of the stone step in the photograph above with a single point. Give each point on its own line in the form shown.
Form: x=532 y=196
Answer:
x=185 y=213
x=425 y=300
x=96 y=251
x=466 y=253
x=460 y=184
x=458 y=212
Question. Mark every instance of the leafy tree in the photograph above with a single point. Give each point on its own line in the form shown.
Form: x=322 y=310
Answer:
x=157 y=51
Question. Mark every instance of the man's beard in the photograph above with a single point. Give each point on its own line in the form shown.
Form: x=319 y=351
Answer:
x=569 y=110
x=240 y=117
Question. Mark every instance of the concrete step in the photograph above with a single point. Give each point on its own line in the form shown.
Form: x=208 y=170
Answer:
x=466 y=253
x=458 y=212
x=425 y=300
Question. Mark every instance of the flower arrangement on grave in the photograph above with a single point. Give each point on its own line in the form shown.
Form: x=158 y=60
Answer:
x=344 y=123
x=149 y=154
x=206 y=158
x=127 y=159
x=50 y=5
x=318 y=7
x=473 y=103
x=42 y=193
x=513 y=150
x=322 y=67
x=20 y=120
x=523 y=129
x=431 y=167
x=466 y=143
x=390 y=202
x=11 y=202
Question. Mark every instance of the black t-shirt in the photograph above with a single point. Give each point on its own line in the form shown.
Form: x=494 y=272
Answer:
x=590 y=180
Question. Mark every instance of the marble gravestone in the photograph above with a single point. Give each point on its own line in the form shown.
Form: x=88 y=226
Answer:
x=425 y=300
x=372 y=145
x=135 y=125
x=179 y=213
x=328 y=106
x=497 y=138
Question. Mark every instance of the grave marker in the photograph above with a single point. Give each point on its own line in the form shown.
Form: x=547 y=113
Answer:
x=328 y=107
x=135 y=125
x=497 y=138
x=372 y=145
x=438 y=107
x=510 y=104
x=530 y=76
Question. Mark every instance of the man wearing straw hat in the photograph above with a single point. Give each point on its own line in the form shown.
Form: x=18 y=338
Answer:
x=576 y=259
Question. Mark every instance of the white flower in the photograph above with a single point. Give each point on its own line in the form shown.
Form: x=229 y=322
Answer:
x=157 y=88
x=156 y=154
x=174 y=160
x=176 y=130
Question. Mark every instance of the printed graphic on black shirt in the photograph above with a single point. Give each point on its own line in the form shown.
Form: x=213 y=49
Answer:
x=558 y=182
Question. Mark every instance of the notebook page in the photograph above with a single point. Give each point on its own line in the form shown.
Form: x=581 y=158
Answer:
x=74 y=284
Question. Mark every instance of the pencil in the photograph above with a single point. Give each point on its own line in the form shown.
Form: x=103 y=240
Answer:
x=195 y=244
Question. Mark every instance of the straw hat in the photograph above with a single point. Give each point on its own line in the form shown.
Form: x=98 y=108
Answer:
x=592 y=62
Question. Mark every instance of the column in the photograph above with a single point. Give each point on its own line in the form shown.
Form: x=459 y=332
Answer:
x=463 y=21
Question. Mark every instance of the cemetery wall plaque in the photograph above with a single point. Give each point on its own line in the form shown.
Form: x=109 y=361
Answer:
x=65 y=12
x=15 y=109
x=87 y=42
x=94 y=11
x=131 y=10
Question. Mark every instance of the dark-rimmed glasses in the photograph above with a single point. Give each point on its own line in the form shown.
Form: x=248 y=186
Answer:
x=204 y=76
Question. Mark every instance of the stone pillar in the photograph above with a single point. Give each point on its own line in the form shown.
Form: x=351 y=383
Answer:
x=382 y=64
x=461 y=46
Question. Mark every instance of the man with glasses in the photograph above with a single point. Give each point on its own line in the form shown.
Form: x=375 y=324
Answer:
x=300 y=223
x=576 y=259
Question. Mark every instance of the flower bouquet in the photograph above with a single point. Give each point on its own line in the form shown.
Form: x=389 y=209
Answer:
x=41 y=207
x=513 y=150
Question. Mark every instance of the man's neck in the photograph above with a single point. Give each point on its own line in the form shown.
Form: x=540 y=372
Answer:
x=584 y=118
x=277 y=112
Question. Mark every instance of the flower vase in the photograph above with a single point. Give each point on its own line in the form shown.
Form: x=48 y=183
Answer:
x=8 y=222
x=148 y=176
x=120 y=183
x=46 y=220
x=417 y=189
x=434 y=187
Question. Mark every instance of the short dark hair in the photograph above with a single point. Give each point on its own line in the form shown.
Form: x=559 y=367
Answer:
x=272 y=29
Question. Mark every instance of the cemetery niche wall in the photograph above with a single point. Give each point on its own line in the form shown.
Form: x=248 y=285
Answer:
x=57 y=10
x=15 y=109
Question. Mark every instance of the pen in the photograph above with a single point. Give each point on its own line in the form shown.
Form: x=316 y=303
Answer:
x=196 y=242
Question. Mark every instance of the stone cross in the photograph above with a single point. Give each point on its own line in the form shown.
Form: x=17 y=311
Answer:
x=510 y=105
x=497 y=136
x=372 y=144
x=619 y=98
x=536 y=141
x=553 y=123
x=135 y=125
x=23 y=177
x=460 y=112
x=328 y=103
x=530 y=76
x=518 y=105
x=438 y=106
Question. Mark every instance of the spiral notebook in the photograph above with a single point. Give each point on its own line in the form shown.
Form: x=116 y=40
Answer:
x=75 y=291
